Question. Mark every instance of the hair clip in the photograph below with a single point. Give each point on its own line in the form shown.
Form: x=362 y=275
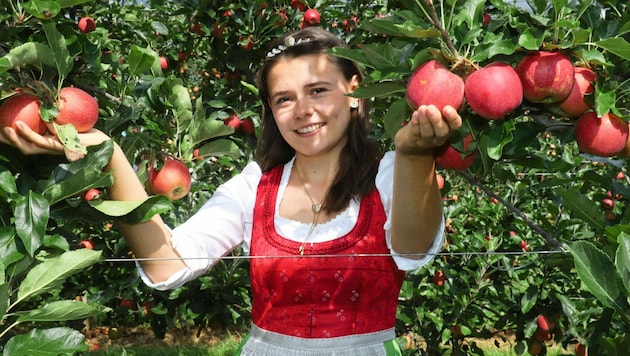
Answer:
x=289 y=42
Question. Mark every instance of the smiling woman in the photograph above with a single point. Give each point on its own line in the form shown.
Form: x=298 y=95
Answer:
x=331 y=224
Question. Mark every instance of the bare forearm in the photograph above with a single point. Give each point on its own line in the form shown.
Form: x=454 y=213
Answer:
x=150 y=239
x=416 y=204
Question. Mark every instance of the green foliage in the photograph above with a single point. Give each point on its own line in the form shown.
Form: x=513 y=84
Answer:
x=541 y=190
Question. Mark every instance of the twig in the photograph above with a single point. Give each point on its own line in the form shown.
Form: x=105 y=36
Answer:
x=551 y=241
x=435 y=21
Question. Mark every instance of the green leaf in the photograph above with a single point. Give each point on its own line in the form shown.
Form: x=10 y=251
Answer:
x=622 y=261
x=351 y=54
x=140 y=60
x=159 y=27
x=616 y=45
x=29 y=53
x=378 y=90
x=53 y=271
x=69 y=137
x=61 y=310
x=31 y=218
x=9 y=252
x=203 y=129
x=397 y=113
x=7 y=183
x=499 y=136
x=220 y=147
x=133 y=212
x=42 y=9
x=597 y=273
x=411 y=30
x=71 y=3
x=68 y=180
x=47 y=342
x=529 y=299
x=57 y=44
x=582 y=207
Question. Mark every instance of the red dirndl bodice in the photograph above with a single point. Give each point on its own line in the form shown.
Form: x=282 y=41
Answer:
x=328 y=296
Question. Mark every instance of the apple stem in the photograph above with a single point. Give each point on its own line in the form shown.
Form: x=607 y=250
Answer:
x=551 y=241
x=435 y=21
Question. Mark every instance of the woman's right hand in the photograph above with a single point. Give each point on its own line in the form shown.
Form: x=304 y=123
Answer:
x=30 y=142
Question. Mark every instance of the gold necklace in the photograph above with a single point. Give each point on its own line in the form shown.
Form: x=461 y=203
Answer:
x=317 y=208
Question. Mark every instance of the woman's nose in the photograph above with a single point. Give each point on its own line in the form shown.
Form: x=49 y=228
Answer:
x=303 y=107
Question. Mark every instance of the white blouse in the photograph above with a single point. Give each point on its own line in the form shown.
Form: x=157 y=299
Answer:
x=225 y=221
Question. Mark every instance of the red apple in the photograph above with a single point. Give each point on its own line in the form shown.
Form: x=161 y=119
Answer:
x=128 y=304
x=163 y=63
x=22 y=107
x=524 y=245
x=576 y=103
x=172 y=180
x=440 y=180
x=233 y=120
x=447 y=157
x=78 y=108
x=607 y=203
x=486 y=19
x=87 y=24
x=311 y=17
x=493 y=91
x=298 y=4
x=86 y=244
x=547 y=76
x=433 y=83
x=247 y=126
x=605 y=136
x=438 y=278
x=581 y=349
x=92 y=194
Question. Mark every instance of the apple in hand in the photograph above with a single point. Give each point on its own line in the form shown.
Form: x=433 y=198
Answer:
x=546 y=76
x=172 y=179
x=76 y=107
x=22 y=107
x=433 y=83
x=448 y=157
x=577 y=103
x=493 y=91
x=601 y=136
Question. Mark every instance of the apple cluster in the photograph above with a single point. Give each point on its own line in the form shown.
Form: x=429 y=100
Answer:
x=74 y=106
x=495 y=91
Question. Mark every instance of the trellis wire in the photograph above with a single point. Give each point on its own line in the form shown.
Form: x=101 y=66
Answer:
x=246 y=257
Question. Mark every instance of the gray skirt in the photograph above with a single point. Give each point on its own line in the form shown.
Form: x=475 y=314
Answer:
x=267 y=343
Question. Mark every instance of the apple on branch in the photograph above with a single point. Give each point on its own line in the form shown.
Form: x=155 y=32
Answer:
x=448 y=157
x=173 y=179
x=578 y=102
x=603 y=136
x=546 y=76
x=493 y=91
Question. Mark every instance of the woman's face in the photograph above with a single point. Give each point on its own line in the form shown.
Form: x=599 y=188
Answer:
x=308 y=102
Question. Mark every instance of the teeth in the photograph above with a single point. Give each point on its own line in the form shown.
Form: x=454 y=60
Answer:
x=308 y=129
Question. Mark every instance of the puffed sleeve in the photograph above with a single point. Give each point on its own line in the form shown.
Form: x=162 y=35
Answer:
x=221 y=224
x=385 y=186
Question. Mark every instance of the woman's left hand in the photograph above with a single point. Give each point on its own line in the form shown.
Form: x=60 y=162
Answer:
x=427 y=129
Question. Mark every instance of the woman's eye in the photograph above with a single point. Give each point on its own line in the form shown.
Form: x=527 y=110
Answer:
x=318 y=90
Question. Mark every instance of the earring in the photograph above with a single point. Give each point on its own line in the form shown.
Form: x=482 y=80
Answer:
x=354 y=104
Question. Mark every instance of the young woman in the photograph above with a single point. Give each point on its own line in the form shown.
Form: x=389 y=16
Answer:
x=334 y=222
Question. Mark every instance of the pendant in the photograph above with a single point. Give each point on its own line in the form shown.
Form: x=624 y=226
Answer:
x=316 y=208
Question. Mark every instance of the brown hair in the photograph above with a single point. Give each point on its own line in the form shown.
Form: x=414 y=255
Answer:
x=359 y=159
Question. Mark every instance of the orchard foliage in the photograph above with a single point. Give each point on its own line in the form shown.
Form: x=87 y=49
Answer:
x=534 y=226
